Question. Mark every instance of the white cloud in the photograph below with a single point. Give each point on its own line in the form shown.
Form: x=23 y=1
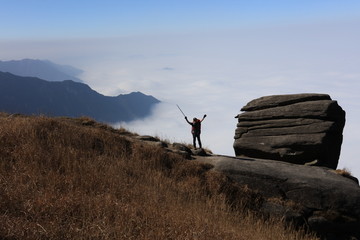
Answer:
x=217 y=73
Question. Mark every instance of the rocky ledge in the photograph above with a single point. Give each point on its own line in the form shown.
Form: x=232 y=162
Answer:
x=321 y=199
x=324 y=200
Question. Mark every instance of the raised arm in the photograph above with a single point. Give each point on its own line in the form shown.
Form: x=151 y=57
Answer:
x=188 y=121
x=203 y=118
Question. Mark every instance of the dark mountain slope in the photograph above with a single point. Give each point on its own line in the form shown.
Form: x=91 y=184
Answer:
x=29 y=95
x=43 y=69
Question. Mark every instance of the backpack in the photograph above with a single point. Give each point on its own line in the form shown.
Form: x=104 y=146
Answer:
x=196 y=127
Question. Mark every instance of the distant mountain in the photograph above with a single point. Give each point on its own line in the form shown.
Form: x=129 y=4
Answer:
x=30 y=95
x=43 y=69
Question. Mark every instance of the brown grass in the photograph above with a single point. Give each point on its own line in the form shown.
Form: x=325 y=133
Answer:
x=66 y=178
x=343 y=172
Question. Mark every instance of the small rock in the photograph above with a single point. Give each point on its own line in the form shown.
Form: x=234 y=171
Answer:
x=181 y=147
x=148 y=138
x=199 y=152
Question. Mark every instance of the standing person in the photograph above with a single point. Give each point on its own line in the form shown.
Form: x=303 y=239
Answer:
x=196 y=129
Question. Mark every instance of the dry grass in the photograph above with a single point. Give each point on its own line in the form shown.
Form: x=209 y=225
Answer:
x=343 y=172
x=66 y=178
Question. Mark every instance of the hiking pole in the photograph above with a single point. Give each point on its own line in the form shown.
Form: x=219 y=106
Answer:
x=180 y=110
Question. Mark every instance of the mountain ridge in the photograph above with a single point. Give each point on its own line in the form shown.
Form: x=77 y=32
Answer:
x=31 y=95
x=43 y=69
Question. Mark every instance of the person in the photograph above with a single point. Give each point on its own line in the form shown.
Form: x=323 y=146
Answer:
x=196 y=129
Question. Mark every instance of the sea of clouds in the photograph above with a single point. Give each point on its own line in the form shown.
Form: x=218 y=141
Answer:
x=216 y=73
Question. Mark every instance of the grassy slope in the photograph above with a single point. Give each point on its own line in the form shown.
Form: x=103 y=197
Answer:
x=77 y=179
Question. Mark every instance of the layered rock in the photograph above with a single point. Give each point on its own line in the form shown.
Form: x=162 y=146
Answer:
x=297 y=128
x=319 y=198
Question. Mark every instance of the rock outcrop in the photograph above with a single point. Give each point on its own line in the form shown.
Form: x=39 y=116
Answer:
x=296 y=128
x=322 y=200
x=316 y=197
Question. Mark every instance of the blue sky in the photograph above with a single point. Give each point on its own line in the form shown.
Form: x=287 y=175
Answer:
x=207 y=56
x=34 y=19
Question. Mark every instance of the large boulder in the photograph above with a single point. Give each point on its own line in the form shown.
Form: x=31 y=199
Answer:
x=325 y=201
x=296 y=128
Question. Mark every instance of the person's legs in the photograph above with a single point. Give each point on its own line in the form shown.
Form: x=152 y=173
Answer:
x=198 y=137
x=194 y=140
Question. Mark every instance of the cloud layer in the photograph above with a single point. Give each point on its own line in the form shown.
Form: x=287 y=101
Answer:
x=217 y=73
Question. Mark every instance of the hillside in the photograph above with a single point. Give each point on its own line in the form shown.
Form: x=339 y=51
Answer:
x=64 y=178
x=30 y=95
x=43 y=69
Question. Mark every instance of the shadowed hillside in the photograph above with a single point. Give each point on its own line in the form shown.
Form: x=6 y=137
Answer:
x=30 y=95
x=63 y=178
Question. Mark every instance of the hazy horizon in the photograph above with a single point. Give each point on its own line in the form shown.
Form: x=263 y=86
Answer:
x=209 y=57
